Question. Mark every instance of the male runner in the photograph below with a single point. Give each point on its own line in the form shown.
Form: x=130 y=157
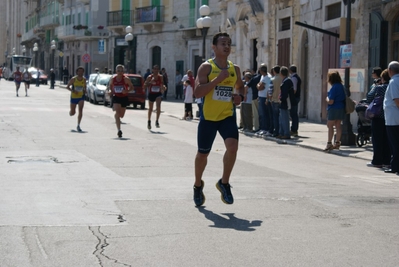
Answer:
x=26 y=76
x=120 y=86
x=155 y=86
x=78 y=92
x=17 y=79
x=217 y=82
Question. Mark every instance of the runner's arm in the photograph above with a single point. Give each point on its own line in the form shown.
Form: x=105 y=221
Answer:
x=71 y=81
x=202 y=85
x=130 y=84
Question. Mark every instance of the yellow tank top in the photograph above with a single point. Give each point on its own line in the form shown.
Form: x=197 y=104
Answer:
x=78 y=87
x=218 y=103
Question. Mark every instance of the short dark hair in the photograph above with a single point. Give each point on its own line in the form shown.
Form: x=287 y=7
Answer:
x=377 y=71
x=334 y=77
x=293 y=68
x=276 y=69
x=188 y=82
x=80 y=67
x=284 y=71
x=219 y=34
x=263 y=68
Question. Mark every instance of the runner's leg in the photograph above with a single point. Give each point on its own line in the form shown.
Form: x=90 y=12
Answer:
x=80 y=115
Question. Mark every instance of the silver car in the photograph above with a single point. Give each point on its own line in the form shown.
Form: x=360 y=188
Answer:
x=96 y=88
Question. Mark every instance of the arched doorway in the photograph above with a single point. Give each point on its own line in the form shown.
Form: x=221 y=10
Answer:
x=156 y=56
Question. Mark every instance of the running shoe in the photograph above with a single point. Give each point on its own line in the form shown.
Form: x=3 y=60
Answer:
x=199 y=197
x=157 y=124
x=78 y=129
x=119 y=133
x=149 y=125
x=224 y=189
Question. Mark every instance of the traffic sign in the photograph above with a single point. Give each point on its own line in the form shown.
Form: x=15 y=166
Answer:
x=61 y=54
x=86 y=58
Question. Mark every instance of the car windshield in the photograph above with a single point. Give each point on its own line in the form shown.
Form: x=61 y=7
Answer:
x=103 y=79
x=136 y=81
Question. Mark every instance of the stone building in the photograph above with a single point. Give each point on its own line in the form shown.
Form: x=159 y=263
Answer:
x=165 y=33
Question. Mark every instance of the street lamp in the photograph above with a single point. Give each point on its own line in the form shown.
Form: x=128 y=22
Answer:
x=128 y=39
x=23 y=50
x=204 y=23
x=35 y=49
x=13 y=50
x=53 y=47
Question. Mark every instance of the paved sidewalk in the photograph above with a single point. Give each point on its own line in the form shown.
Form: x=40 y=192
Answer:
x=312 y=135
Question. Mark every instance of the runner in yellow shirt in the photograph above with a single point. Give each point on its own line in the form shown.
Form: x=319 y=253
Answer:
x=220 y=86
x=78 y=92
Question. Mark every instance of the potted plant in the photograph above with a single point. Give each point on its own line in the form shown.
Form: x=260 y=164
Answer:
x=19 y=35
x=100 y=27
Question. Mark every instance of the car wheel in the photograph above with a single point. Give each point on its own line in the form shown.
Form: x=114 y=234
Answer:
x=95 y=100
x=142 y=106
x=134 y=105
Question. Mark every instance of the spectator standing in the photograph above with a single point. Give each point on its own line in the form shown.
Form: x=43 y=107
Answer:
x=391 y=112
x=255 y=108
x=275 y=101
x=246 y=105
x=52 y=78
x=296 y=81
x=188 y=101
x=146 y=74
x=381 y=150
x=65 y=75
x=286 y=94
x=264 y=114
x=38 y=78
x=335 y=109
x=178 y=85
x=165 y=82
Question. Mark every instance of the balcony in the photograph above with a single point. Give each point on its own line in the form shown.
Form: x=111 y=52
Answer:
x=49 y=22
x=150 y=17
x=93 y=32
x=118 y=20
x=65 y=32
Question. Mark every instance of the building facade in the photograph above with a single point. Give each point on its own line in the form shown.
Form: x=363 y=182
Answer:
x=165 y=33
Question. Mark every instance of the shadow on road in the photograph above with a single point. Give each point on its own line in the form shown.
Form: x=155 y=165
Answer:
x=231 y=221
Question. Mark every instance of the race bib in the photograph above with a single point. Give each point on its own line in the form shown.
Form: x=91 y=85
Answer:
x=118 y=89
x=78 y=88
x=222 y=93
x=155 y=89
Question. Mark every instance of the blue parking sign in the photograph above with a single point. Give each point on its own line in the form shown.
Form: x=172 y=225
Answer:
x=101 y=46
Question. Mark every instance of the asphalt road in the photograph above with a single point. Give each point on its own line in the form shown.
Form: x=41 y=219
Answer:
x=92 y=199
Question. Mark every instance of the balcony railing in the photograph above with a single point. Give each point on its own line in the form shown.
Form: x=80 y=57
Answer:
x=120 y=18
x=49 y=21
x=150 y=14
x=91 y=32
x=28 y=35
x=65 y=31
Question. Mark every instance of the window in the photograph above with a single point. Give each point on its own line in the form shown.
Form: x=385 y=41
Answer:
x=285 y=24
x=333 y=11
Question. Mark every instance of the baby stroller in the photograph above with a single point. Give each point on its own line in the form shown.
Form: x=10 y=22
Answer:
x=363 y=124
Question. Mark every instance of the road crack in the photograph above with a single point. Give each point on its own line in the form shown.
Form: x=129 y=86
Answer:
x=100 y=247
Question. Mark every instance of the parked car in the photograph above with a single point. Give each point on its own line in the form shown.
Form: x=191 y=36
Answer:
x=89 y=85
x=137 y=97
x=99 y=87
x=42 y=78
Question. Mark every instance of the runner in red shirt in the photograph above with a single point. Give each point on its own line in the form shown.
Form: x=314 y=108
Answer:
x=17 y=79
x=154 y=84
x=120 y=86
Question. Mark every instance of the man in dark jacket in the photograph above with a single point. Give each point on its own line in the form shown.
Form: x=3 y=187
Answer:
x=52 y=78
x=65 y=75
x=255 y=107
x=296 y=81
x=287 y=97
